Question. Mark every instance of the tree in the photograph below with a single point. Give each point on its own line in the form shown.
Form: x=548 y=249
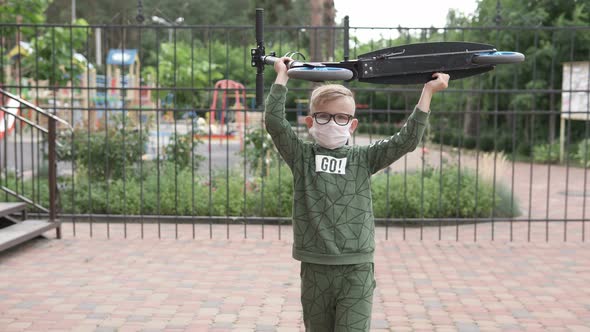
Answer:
x=95 y=12
x=323 y=14
x=182 y=66
x=545 y=50
x=202 y=12
x=53 y=55
x=20 y=11
x=217 y=13
x=24 y=11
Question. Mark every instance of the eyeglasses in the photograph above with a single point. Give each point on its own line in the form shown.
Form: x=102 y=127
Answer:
x=340 y=119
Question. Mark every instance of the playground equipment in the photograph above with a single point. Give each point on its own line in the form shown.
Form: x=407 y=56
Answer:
x=64 y=102
x=7 y=116
x=85 y=100
x=120 y=89
x=228 y=116
x=219 y=117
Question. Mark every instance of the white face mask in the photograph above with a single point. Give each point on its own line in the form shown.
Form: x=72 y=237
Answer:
x=330 y=135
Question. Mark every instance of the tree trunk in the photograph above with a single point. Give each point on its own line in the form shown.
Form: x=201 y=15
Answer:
x=321 y=46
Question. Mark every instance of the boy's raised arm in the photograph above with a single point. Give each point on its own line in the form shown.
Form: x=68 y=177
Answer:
x=384 y=152
x=281 y=69
x=440 y=82
x=283 y=136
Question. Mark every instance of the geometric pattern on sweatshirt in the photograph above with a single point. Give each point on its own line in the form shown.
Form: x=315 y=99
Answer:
x=333 y=213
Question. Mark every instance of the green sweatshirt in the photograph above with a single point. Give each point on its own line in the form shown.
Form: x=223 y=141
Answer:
x=333 y=219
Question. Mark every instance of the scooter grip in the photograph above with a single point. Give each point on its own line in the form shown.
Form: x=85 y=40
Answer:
x=270 y=60
x=259 y=25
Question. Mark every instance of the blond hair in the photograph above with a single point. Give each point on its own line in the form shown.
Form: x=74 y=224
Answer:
x=327 y=93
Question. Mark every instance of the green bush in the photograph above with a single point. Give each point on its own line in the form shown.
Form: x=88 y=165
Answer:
x=583 y=153
x=180 y=151
x=456 y=139
x=173 y=193
x=429 y=194
x=546 y=153
x=271 y=195
x=105 y=154
x=259 y=151
x=505 y=143
x=446 y=137
x=449 y=194
x=486 y=143
x=469 y=142
x=452 y=139
x=524 y=149
x=362 y=128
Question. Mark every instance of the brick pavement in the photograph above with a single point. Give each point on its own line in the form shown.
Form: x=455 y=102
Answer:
x=203 y=284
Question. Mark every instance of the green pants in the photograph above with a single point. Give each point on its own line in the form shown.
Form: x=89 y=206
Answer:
x=337 y=297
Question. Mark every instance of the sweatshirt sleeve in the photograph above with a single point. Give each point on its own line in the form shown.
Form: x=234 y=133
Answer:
x=283 y=136
x=383 y=153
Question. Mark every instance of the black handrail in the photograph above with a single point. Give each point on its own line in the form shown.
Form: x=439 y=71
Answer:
x=51 y=132
x=36 y=108
x=25 y=120
x=24 y=199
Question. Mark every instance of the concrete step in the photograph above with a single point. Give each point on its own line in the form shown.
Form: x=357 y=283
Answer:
x=18 y=233
x=7 y=209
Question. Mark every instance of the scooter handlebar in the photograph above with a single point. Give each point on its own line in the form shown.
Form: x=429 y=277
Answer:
x=270 y=60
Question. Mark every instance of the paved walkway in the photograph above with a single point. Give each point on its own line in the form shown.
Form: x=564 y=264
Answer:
x=202 y=284
x=480 y=277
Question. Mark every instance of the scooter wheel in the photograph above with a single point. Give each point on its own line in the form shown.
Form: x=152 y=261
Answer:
x=497 y=58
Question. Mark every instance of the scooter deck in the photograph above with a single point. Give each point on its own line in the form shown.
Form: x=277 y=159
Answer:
x=415 y=63
x=426 y=50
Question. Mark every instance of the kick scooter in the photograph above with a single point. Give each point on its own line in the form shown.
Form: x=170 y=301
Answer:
x=405 y=64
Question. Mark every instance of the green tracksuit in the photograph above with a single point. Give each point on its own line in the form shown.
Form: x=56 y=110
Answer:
x=333 y=223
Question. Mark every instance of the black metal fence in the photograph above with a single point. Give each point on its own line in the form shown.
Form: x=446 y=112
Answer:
x=167 y=134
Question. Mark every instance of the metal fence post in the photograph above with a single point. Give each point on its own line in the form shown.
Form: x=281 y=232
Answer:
x=52 y=169
x=346 y=38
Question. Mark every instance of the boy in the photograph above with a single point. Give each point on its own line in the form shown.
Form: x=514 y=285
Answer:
x=333 y=224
